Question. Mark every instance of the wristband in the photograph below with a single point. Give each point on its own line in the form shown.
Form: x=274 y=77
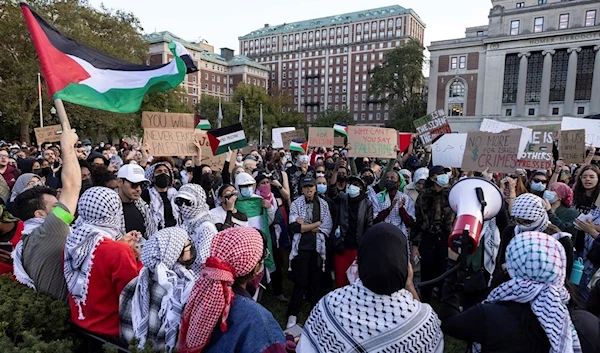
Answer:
x=63 y=215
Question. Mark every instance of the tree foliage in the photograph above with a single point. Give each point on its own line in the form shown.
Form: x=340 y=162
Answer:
x=99 y=29
x=331 y=117
x=399 y=82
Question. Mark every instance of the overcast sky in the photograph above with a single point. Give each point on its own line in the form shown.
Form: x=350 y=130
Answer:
x=220 y=23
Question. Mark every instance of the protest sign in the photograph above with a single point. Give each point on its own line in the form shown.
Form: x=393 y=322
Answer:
x=572 y=146
x=554 y=128
x=321 y=137
x=159 y=120
x=215 y=162
x=448 y=150
x=432 y=124
x=372 y=141
x=404 y=139
x=288 y=137
x=591 y=127
x=339 y=141
x=170 y=142
x=277 y=142
x=48 y=133
x=489 y=125
x=497 y=151
x=538 y=154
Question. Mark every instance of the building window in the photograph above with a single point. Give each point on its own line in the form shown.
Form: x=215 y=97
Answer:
x=514 y=27
x=558 y=77
x=462 y=63
x=520 y=5
x=479 y=33
x=538 y=25
x=563 y=21
x=590 y=18
x=535 y=66
x=453 y=63
x=508 y=112
x=511 y=78
x=531 y=112
x=554 y=111
x=585 y=70
x=457 y=89
x=455 y=109
x=542 y=2
x=580 y=110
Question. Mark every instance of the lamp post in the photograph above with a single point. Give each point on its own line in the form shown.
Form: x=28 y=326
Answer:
x=53 y=113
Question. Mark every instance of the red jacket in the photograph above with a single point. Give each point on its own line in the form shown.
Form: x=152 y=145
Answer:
x=10 y=175
x=8 y=268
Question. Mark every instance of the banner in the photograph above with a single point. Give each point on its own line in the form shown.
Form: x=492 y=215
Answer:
x=321 y=137
x=158 y=120
x=496 y=151
x=432 y=124
x=448 y=150
x=538 y=154
x=215 y=162
x=170 y=142
x=591 y=127
x=572 y=146
x=288 y=137
x=372 y=141
x=48 y=133
x=488 y=125
x=277 y=142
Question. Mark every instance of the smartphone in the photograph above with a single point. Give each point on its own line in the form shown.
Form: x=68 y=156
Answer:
x=295 y=330
x=6 y=246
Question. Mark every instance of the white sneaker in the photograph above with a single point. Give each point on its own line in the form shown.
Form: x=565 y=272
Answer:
x=291 y=321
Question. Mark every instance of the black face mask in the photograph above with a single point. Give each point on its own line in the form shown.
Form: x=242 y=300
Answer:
x=189 y=169
x=46 y=171
x=37 y=171
x=329 y=165
x=390 y=185
x=162 y=180
x=368 y=180
x=86 y=184
x=206 y=180
x=341 y=179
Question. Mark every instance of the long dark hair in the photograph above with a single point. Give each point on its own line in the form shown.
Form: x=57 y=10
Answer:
x=579 y=190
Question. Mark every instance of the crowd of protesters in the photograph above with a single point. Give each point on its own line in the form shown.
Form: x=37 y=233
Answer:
x=168 y=251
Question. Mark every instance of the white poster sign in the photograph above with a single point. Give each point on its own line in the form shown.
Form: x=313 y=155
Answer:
x=448 y=150
x=489 y=125
x=591 y=126
x=276 y=135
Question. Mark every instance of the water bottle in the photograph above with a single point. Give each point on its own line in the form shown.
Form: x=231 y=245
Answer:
x=338 y=232
x=577 y=271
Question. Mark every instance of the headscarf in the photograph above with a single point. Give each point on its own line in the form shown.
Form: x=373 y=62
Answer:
x=157 y=208
x=383 y=259
x=197 y=221
x=564 y=192
x=5 y=216
x=536 y=263
x=234 y=253
x=100 y=217
x=407 y=175
x=532 y=208
x=159 y=256
x=21 y=185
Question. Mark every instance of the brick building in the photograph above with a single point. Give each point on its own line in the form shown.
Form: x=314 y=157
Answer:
x=536 y=61
x=217 y=75
x=325 y=62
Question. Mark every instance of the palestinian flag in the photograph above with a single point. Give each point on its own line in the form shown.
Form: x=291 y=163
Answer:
x=299 y=146
x=79 y=74
x=225 y=138
x=204 y=124
x=341 y=129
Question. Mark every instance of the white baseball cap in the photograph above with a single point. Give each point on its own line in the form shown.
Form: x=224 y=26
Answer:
x=133 y=173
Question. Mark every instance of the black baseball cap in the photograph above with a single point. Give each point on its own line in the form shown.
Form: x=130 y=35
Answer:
x=308 y=181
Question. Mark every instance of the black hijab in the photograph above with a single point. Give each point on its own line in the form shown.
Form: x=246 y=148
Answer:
x=383 y=259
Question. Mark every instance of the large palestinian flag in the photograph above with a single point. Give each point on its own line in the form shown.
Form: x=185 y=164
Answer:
x=79 y=74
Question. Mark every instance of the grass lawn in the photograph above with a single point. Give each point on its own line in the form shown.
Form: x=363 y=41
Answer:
x=278 y=309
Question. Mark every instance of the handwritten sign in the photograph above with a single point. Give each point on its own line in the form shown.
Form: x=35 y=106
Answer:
x=321 y=137
x=158 y=120
x=591 y=127
x=48 y=133
x=288 y=137
x=448 y=150
x=339 y=141
x=170 y=142
x=572 y=146
x=276 y=136
x=372 y=141
x=215 y=162
x=432 y=124
x=496 y=151
x=554 y=128
x=489 y=125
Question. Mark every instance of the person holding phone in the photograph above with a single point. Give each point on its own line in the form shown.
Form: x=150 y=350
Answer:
x=226 y=215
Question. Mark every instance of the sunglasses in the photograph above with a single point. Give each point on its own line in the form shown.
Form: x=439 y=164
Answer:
x=537 y=181
x=192 y=249
x=180 y=201
x=135 y=185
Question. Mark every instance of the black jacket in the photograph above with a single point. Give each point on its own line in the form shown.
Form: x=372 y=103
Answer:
x=342 y=218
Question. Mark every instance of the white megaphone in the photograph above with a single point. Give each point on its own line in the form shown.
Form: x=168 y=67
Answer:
x=473 y=200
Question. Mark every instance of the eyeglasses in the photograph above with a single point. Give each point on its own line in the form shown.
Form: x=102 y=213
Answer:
x=180 y=201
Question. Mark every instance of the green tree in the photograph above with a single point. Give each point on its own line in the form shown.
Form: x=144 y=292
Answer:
x=399 y=82
x=100 y=29
x=331 y=117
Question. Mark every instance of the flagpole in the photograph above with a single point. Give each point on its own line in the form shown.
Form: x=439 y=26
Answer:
x=241 y=108
x=40 y=100
x=261 y=127
x=220 y=115
x=62 y=114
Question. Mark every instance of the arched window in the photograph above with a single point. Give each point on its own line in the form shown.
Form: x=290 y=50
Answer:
x=457 y=89
x=456 y=98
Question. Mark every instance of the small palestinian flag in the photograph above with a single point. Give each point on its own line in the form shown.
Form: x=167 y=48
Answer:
x=204 y=124
x=81 y=75
x=225 y=138
x=341 y=129
x=299 y=146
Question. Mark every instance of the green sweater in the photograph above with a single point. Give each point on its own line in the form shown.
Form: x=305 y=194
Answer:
x=563 y=218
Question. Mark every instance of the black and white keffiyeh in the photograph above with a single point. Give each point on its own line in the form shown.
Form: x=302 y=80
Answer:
x=100 y=217
x=536 y=263
x=532 y=208
x=300 y=209
x=159 y=256
x=157 y=208
x=490 y=236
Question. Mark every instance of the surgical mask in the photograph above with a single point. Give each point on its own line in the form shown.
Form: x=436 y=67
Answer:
x=162 y=180
x=238 y=158
x=247 y=191
x=88 y=148
x=538 y=187
x=551 y=196
x=321 y=189
x=353 y=191
x=390 y=185
x=442 y=180
x=368 y=180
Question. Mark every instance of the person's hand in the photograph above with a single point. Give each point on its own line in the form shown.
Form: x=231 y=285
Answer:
x=587 y=227
x=348 y=146
x=452 y=255
x=396 y=149
x=266 y=203
x=415 y=252
x=402 y=203
x=592 y=150
x=68 y=137
x=276 y=183
x=230 y=203
x=112 y=167
x=5 y=256
x=409 y=277
x=512 y=183
x=300 y=221
x=131 y=239
x=548 y=205
x=394 y=202
x=146 y=149
x=486 y=174
x=228 y=155
x=304 y=168
x=559 y=165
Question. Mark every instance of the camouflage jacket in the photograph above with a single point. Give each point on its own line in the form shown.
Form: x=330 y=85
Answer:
x=433 y=216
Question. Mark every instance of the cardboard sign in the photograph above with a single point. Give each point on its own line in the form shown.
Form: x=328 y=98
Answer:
x=288 y=137
x=170 y=142
x=215 y=162
x=432 y=124
x=321 y=137
x=591 y=127
x=404 y=139
x=488 y=125
x=448 y=150
x=339 y=141
x=372 y=141
x=554 y=128
x=277 y=142
x=48 y=133
x=496 y=151
x=572 y=146
x=158 y=120
x=536 y=156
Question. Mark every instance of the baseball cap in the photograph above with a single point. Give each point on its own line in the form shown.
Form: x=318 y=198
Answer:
x=308 y=181
x=438 y=169
x=86 y=142
x=421 y=174
x=413 y=162
x=133 y=173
